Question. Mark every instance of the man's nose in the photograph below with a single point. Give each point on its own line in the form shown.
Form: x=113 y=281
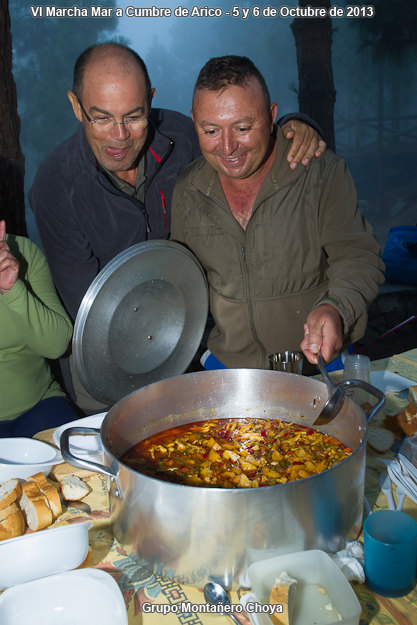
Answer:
x=120 y=130
x=229 y=142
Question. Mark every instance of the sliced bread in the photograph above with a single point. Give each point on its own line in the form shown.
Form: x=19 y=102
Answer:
x=412 y=394
x=12 y=522
x=73 y=488
x=380 y=439
x=9 y=492
x=407 y=419
x=35 y=507
x=50 y=492
x=282 y=593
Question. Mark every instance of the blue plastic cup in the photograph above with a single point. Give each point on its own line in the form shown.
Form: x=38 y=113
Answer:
x=390 y=538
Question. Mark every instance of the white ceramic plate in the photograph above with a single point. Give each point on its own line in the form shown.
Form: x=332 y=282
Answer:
x=77 y=597
x=82 y=445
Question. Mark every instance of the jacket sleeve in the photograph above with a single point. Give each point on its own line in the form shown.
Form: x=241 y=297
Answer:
x=68 y=251
x=177 y=222
x=43 y=323
x=355 y=269
x=302 y=117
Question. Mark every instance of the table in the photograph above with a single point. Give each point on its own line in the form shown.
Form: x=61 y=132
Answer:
x=144 y=590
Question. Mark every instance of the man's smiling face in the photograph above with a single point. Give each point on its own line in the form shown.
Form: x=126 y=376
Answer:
x=234 y=127
x=117 y=92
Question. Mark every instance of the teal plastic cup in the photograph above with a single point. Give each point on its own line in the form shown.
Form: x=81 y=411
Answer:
x=390 y=540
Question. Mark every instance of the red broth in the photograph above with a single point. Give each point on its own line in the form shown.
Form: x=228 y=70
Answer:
x=235 y=453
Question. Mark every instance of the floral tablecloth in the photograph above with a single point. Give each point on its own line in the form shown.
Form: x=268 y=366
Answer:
x=150 y=598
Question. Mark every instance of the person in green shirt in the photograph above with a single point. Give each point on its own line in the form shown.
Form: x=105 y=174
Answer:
x=34 y=327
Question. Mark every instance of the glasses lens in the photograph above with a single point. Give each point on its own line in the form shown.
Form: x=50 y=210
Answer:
x=106 y=125
x=102 y=125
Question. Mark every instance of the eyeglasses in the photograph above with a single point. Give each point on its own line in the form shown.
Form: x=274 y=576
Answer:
x=105 y=124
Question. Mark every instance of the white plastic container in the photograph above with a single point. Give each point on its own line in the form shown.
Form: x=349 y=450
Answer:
x=83 y=445
x=22 y=457
x=43 y=553
x=322 y=595
x=77 y=597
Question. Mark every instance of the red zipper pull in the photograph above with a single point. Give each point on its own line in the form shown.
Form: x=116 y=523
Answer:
x=164 y=209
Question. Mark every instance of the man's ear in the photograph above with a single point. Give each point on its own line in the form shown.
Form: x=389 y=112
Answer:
x=192 y=114
x=75 y=105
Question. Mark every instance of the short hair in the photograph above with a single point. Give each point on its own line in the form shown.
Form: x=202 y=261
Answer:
x=224 y=71
x=103 y=50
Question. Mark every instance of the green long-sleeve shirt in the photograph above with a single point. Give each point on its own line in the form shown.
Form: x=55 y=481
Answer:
x=33 y=327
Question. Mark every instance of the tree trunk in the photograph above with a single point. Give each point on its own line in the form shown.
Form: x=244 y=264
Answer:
x=12 y=163
x=316 y=92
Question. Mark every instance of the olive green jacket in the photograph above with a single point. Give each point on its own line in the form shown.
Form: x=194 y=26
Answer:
x=305 y=244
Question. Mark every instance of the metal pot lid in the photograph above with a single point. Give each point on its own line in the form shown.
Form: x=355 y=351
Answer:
x=141 y=320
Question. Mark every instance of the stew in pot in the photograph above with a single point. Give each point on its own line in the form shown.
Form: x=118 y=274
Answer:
x=236 y=453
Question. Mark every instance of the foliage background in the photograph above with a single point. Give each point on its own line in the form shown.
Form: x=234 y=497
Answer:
x=373 y=64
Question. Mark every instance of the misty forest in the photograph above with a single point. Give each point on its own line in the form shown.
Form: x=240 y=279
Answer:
x=356 y=77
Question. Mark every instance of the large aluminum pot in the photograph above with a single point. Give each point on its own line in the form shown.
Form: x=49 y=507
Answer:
x=191 y=533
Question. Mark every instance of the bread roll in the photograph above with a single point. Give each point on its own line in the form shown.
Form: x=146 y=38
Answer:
x=6 y=511
x=12 y=522
x=9 y=492
x=282 y=593
x=50 y=492
x=35 y=507
x=73 y=488
x=412 y=395
x=407 y=419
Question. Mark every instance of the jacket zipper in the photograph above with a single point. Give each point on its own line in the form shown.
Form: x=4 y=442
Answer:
x=160 y=162
x=164 y=209
x=249 y=292
x=106 y=184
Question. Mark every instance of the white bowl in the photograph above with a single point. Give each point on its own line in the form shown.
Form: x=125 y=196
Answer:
x=21 y=457
x=43 y=553
x=322 y=594
x=77 y=597
x=81 y=445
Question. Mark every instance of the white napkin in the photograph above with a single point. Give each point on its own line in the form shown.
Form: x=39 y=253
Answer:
x=350 y=561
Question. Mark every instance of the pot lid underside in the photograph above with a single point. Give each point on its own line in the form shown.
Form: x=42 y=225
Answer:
x=141 y=320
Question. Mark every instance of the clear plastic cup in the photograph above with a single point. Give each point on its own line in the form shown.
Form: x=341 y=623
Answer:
x=358 y=367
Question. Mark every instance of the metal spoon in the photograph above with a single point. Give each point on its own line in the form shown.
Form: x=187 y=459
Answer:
x=215 y=594
x=334 y=404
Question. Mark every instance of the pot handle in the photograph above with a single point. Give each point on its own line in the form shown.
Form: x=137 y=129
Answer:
x=76 y=461
x=372 y=390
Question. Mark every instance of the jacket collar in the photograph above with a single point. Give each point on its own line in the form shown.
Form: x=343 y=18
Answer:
x=206 y=180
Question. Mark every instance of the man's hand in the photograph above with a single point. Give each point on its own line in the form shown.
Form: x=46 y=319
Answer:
x=306 y=142
x=9 y=266
x=322 y=331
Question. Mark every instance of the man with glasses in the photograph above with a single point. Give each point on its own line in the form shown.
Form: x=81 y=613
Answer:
x=110 y=185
